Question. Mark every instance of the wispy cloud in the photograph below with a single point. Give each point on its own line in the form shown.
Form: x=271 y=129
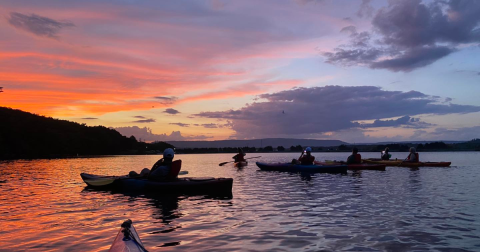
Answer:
x=38 y=25
x=150 y=120
x=181 y=124
x=171 y=111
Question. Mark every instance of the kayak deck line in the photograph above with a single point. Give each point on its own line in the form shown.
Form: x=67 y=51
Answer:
x=407 y=164
x=377 y=167
x=127 y=239
x=289 y=167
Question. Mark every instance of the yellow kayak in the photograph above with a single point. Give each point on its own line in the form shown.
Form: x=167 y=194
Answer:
x=405 y=163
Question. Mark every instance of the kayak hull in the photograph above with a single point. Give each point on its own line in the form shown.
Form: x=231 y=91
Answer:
x=131 y=243
x=407 y=164
x=288 y=167
x=241 y=164
x=354 y=167
x=179 y=186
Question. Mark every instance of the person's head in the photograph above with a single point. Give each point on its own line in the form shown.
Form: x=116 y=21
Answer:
x=168 y=153
x=412 y=150
x=387 y=149
x=354 y=150
x=308 y=150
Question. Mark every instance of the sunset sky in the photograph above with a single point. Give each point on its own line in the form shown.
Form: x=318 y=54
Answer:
x=357 y=71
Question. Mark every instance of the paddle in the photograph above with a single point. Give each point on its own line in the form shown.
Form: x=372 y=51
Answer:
x=221 y=164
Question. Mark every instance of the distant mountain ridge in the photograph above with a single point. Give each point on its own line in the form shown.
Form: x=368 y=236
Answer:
x=257 y=143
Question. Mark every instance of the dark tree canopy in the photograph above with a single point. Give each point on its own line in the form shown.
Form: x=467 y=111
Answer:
x=26 y=135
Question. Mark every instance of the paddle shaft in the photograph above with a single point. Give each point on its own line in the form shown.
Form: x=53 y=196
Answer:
x=221 y=164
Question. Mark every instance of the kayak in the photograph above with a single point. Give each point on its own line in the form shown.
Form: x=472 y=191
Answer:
x=127 y=239
x=206 y=185
x=241 y=164
x=378 y=167
x=288 y=167
x=407 y=164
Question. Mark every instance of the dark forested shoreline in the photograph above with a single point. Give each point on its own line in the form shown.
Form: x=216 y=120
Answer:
x=473 y=145
x=25 y=135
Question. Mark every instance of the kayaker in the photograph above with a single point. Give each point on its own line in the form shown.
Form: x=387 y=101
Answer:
x=355 y=158
x=161 y=168
x=413 y=156
x=385 y=155
x=240 y=157
x=306 y=157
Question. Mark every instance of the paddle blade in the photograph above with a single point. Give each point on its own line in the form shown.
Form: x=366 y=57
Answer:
x=221 y=164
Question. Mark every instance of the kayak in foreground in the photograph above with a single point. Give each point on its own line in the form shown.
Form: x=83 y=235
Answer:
x=378 y=167
x=407 y=164
x=288 y=167
x=241 y=164
x=181 y=185
x=127 y=239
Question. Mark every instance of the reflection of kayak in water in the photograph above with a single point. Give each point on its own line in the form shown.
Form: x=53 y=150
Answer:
x=127 y=239
x=380 y=167
x=241 y=164
x=289 y=167
x=406 y=164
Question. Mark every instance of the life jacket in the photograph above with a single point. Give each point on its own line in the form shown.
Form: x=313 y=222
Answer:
x=307 y=160
x=174 y=170
x=358 y=158
x=239 y=157
x=416 y=155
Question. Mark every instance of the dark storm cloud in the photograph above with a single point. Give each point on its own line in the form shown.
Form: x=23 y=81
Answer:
x=38 y=25
x=181 y=124
x=414 y=58
x=150 y=120
x=412 y=34
x=332 y=108
x=405 y=121
x=171 y=111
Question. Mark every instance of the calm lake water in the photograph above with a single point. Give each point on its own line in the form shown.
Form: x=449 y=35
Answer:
x=44 y=206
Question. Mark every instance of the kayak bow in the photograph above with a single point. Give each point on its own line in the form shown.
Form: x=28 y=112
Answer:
x=127 y=239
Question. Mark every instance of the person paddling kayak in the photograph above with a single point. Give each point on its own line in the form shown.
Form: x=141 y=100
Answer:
x=355 y=158
x=240 y=157
x=413 y=156
x=159 y=170
x=305 y=158
x=385 y=155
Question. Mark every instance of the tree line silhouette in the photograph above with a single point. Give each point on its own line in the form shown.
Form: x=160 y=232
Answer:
x=25 y=135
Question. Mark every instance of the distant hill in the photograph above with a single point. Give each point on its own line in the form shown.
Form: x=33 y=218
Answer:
x=258 y=143
x=26 y=135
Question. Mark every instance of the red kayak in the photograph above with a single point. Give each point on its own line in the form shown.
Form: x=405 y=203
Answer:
x=378 y=167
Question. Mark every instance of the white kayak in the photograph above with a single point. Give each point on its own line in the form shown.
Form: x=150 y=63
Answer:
x=127 y=239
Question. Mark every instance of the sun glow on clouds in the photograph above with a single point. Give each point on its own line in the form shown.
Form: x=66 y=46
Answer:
x=167 y=60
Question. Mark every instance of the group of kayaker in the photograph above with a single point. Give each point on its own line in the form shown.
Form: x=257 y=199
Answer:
x=306 y=157
x=161 y=169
